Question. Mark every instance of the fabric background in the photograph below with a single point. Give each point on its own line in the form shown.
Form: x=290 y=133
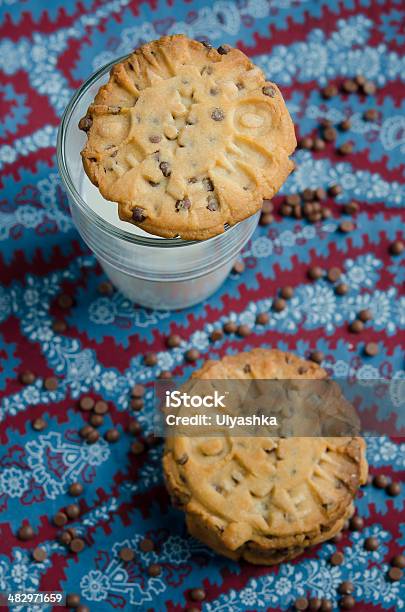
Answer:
x=46 y=50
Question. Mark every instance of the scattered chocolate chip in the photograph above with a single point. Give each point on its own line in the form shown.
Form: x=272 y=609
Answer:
x=27 y=377
x=155 y=138
x=346 y=227
x=360 y=80
x=217 y=114
x=134 y=428
x=380 y=481
x=308 y=195
x=77 y=545
x=347 y=602
x=39 y=554
x=72 y=600
x=286 y=210
x=266 y=219
x=238 y=267
x=398 y=561
x=337 y=558
x=369 y=88
x=112 y=435
x=269 y=90
x=65 y=538
x=192 y=355
x=86 y=403
x=216 y=334
x=315 y=273
x=356 y=327
x=51 y=383
x=395 y=574
x=346 y=148
x=319 y=144
x=397 y=247
x=371 y=544
x=83 y=608
x=150 y=359
x=351 y=208
x=306 y=143
x=206 y=44
x=223 y=49
x=371 y=114
x=393 y=489
x=230 y=327
x=349 y=86
x=212 y=203
x=329 y=134
x=154 y=570
x=76 y=489
x=326 y=605
x=60 y=519
x=165 y=168
x=137 y=448
x=101 y=407
x=262 y=318
x=197 y=594
x=301 y=603
x=183 y=459
x=126 y=554
x=173 y=341
x=334 y=190
x=183 y=204
x=85 y=123
x=314 y=604
x=278 y=305
x=59 y=326
x=65 y=301
x=371 y=349
x=346 y=588
x=25 y=533
x=267 y=206
x=137 y=403
x=356 y=523
x=293 y=199
x=72 y=511
x=146 y=545
x=326 y=213
x=85 y=431
x=105 y=288
x=39 y=424
x=341 y=289
x=243 y=331
x=334 y=274
x=287 y=292
x=317 y=356
x=329 y=91
x=165 y=374
x=96 y=420
x=365 y=315
x=345 y=125
x=138 y=214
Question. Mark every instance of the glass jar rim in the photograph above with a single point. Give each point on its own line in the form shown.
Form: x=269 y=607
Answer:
x=69 y=185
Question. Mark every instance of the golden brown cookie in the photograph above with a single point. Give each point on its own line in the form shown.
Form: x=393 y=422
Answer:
x=264 y=499
x=187 y=138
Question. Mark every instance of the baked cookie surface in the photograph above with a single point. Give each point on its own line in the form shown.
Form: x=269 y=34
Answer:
x=264 y=499
x=187 y=138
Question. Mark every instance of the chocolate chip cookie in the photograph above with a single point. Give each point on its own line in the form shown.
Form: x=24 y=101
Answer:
x=187 y=138
x=264 y=499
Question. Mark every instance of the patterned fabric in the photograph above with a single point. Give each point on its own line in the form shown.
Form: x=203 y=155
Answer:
x=46 y=50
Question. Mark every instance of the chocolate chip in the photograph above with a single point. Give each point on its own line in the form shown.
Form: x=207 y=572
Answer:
x=346 y=227
x=244 y=331
x=286 y=210
x=334 y=190
x=314 y=604
x=60 y=519
x=208 y=184
x=356 y=523
x=126 y=554
x=134 y=428
x=76 y=489
x=326 y=213
x=39 y=554
x=223 y=49
x=337 y=558
x=269 y=90
x=371 y=114
x=317 y=356
x=85 y=431
x=369 y=88
x=137 y=403
x=77 y=545
x=360 y=79
x=345 y=149
x=197 y=594
x=183 y=459
x=341 y=289
x=345 y=125
x=230 y=327
x=287 y=292
x=25 y=533
x=183 y=204
x=173 y=341
x=112 y=435
x=155 y=138
x=315 y=273
x=371 y=349
x=85 y=123
x=329 y=91
x=308 y=195
x=395 y=574
x=192 y=355
x=398 y=561
x=154 y=570
x=356 y=327
x=96 y=420
x=65 y=538
x=334 y=274
x=105 y=288
x=51 y=383
x=351 y=208
x=397 y=247
x=216 y=334
x=326 y=605
x=380 y=481
x=39 y=424
x=293 y=199
x=165 y=374
x=146 y=545
x=27 y=377
x=138 y=214
x=238 y=267
x=393 y=489
x=301 y=603
x=65 y=301
x=346 y=588
x=262 y=318
x=150 y=359
x=217 y=114
x=213 y=203
x=349 y=86
x=137 y=448
x=72 y=511
x=365 y=315
x=347 y=602
x=278 y=305
x=206 y=44
x=319 y=144
x=165 y=168
x=86 y=403
x=59 y=326
x=329 y=134
x=371 y=544
x=101 y=407
x=72 y=600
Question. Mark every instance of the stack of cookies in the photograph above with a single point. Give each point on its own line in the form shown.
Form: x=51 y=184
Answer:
x=261 y=499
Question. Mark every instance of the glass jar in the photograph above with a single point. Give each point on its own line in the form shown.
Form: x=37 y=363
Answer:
x=152 y=271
